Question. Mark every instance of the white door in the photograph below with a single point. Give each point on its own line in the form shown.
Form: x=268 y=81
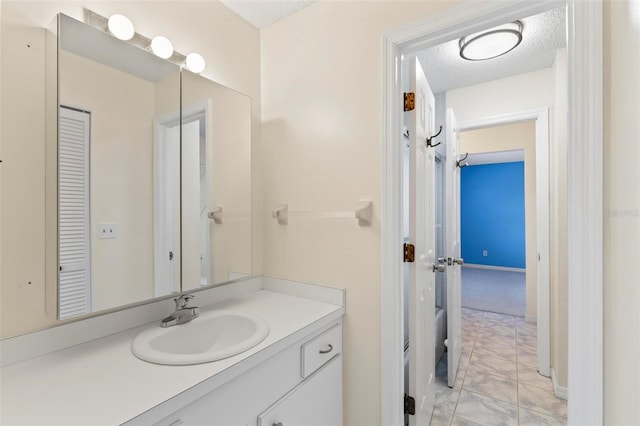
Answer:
x=422 y=235
x=191 y=208
x=454 y=273
x=166 y=198
x=317 y=401
x=74 y=227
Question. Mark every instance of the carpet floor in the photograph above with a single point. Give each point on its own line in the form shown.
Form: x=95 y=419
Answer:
x=490 y=290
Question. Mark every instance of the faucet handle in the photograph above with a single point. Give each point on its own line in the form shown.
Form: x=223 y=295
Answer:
x=183 y=301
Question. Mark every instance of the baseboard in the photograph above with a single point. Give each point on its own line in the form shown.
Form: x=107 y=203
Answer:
x=560 y=391
x=531 y=318
x=495 y=268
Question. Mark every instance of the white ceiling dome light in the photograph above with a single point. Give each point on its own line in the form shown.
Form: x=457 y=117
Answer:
x=491 y=43
x=121 y=27
x=161 y=47
x=195 y=63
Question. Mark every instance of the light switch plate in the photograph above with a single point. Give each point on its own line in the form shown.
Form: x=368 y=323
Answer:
x=107 y=230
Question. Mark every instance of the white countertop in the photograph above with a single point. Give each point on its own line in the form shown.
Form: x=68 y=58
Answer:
x=102 y=382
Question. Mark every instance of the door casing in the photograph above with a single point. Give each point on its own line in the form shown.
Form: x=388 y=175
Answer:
x=585 y=186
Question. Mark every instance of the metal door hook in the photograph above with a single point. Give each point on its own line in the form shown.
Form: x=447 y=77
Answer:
x=460 y=163
x=429 y=144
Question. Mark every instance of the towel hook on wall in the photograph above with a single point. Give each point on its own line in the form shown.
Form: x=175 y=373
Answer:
x=429 y=144
x=460 y=163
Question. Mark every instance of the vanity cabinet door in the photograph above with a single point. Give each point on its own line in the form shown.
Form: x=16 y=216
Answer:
x=317 y=401
x=239 y=401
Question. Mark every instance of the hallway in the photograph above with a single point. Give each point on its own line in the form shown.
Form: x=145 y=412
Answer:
x=497 y=379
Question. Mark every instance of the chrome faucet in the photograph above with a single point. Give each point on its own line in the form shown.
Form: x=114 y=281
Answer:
x=183 y=314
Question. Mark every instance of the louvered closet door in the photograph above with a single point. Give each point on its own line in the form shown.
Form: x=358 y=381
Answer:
x=74 y=219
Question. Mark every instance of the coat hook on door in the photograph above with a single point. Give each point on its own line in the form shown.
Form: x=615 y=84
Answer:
x=460 y=163
x=429 y=144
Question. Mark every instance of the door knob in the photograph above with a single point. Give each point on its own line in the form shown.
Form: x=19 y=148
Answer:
x=459 y=261
x=438 y=268
x=442 y=260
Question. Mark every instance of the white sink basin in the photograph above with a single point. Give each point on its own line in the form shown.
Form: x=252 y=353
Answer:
x=214 y=335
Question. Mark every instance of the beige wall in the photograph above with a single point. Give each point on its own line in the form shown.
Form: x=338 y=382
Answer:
x=121 y=169
x=622 y=213
x=321 y=80
x=231 y=48
x=507 y=138
x=22 y=224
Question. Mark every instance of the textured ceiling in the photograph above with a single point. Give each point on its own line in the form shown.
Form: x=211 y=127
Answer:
x=261 y=13
x=542 y=35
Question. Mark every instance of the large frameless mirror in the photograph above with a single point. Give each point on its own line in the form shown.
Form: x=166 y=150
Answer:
x=114 y=193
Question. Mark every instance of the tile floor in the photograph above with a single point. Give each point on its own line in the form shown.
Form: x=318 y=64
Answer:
x=497 y=382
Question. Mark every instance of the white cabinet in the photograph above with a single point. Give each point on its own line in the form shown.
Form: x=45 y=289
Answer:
x=317 y=401
x=300 y=385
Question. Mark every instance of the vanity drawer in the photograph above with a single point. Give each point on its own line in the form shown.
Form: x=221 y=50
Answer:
x=317 y=351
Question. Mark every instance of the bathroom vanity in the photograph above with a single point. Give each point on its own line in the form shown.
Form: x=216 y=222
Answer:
x=293 y=377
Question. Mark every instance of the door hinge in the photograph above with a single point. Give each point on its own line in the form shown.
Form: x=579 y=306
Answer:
x=409 y=101
x=409 y=405
x=409 y=253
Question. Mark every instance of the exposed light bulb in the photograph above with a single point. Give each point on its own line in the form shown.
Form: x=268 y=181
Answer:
x=162 y=47
x=121 y=27
x=195 y=63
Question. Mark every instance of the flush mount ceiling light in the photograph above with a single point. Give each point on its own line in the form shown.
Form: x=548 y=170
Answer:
x=195 y=63
x=121 y=27
x=491 y=43
x=161 y=47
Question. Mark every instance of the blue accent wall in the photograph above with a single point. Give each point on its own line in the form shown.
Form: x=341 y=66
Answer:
x=492 y=214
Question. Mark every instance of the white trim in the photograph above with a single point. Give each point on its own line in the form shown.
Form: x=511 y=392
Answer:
x=541 y=117
x=392 y=306
x=561 y=392
x=163 y=273
x=530 y=318
x=494 y=268
x=584 y=187
x=585 y=212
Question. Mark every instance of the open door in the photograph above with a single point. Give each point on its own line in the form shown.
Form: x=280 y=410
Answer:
x=166 y=205
x=422 y=236
x=454 y=261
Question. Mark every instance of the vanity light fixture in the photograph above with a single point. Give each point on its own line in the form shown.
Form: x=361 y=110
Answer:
x=121 y=27
x=491 y=43
x=161 y=47
x=195 y=63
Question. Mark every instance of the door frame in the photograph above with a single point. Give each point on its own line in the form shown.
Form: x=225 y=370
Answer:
x=584 y=188
x=162 y=126
x=542 y=137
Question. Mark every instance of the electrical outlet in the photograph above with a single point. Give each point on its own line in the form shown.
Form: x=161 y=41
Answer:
x=107 y=230
x=485 y=253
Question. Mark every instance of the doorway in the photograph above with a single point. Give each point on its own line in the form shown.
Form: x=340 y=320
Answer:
x=493 y=225
x=585 y=38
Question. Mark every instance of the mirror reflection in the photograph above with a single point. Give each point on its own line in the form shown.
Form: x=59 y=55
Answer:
x=154 y=197
x=216 y=183
x=118 y=198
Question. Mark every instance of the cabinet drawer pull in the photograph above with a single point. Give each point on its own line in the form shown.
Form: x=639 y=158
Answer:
x=326 y=351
